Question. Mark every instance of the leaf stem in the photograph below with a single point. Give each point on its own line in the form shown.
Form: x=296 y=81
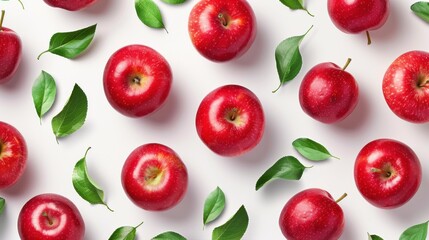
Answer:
x=308 y=30
x=275 y=90
x=38 y=57
x=347 y=64
x=165 y=29
x=305 y=9
x=22 y=5
x=341 y=198
x=368 y=37
x=3 y=12
x=108 y=207
x=86 y=152
x=139 y=224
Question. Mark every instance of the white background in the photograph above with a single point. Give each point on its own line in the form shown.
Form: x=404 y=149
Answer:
x=113 y=136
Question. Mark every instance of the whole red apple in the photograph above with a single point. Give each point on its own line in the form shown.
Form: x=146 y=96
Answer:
x=358 y=15
x=387 y=173
x=50 y=217
x=222 y=30
x=230 y=120
x=312 y=214
x=13 y=155
x=154 y=177
x=137 y=80
x=71 y=5
x=328 y=93
x=406 y=86
x=10 y=51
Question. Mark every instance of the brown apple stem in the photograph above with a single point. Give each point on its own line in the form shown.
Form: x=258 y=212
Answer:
x=48 y=218
x=376 y=170
x=3 y=12
x=223 y=19
x=341 y=198
x=22 y=5
x=347 y=64
x=368 y=37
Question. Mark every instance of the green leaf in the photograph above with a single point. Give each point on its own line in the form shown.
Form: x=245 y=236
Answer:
x=421 y=9
x=214 y=205
x=149 y=13
x=288 y=58
x=44 y=92
x=71 y=44
x=2 y=204
x=73 y=115
x=234 y=228
x=311 y=150
x=174 y=1
x=85 y=186
x=295 y=5
x=374 y=237
x=416 y=232
x=169 y=236
x=124 y=233
x=288 y=168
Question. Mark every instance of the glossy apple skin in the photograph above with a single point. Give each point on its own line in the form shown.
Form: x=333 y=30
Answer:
x=230 y=120
x=312 y=214
x=137 y=80
x=398 y=178
x=354 y=16
x=154 y=177
x=70 y=5
x=10 y=53
x=13 y=155
x=406 y=86
x=35 y=216
x=222 y=30
x=328 y=93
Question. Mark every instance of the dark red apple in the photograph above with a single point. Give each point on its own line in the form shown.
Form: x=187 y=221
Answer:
x=328 y=93
x=356 y=16
x=406 y=86
x=312 y=214
x=154 y=177
x=230 y=120
x=137 y=80
x=50 y=217
x=10 y=51
x=387 y=173
x=222 y=30
x=13 y=155
x=71 y=5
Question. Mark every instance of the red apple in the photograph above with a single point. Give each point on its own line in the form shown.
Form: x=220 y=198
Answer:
x=312 y=214
x=50 y=217
x=387 y=173
x=358 y=15
x=13 y=155
x=222 y=30
x=10 y=51
x=154 y=177
x=137 y=80
x=406 y=86
x=328 y=93
x=71 y=5
x=230 y=120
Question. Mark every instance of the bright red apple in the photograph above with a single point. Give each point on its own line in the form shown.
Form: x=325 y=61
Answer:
x=355 y=16
x=137 y=80
x=13 y=155
x=10 y=51
x=406 y=86
x=70 y=5
x=230 y=120
x=312 y=214
x=328 y=93
x=50 y=217
x=387 y=173
x=222 y=30
x=154 y=177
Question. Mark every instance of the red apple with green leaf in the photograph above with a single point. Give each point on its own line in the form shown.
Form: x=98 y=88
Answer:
x=137 y=80
x=10 y=51
x=70 y=5
x=222 y=30
x=154 y=177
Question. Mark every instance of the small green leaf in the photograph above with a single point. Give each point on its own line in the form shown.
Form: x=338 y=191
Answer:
x=295 y=5
x=234 y=228
x=416 y=232
x=169 y=236
x=44 y=92
x=374 y=237
x=288 y=58
x=2 y=204
x=311 y=150
x=71 y=44
x=85 y=186
x=124 y=233
x=288 y=168
x=214 y=205
x=149 y=13
x=174 y=2
x=421 y=9
x=72 y=116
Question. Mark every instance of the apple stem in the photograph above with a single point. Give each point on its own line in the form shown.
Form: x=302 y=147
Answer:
x=347 y=63
x=136 y=80
x=223 y=19
x=22 y=5
x=368 y=37
x=341 y=198
x=3 y=12
x=305 y=9
x=139 y=225
x=48 y=218
x=376 y=170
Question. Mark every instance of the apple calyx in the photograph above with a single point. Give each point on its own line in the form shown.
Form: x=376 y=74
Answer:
x=347 y=64
x=341 y=198
x=223 y=19
x=153 y=175
x=1 y=19
x=368 y=37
